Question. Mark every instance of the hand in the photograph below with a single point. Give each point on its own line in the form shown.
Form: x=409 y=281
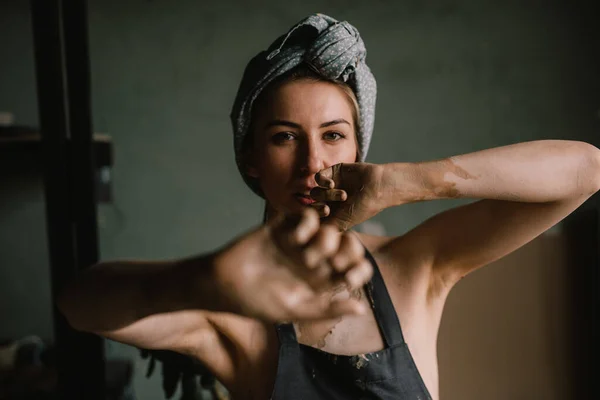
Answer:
x=284 y=271
x=349 y=194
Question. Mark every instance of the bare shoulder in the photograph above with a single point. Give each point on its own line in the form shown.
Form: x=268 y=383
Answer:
x=373 y=243
x=400 y=264
x=392 y=253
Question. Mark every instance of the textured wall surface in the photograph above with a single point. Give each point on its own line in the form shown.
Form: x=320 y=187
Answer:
x=454 y=77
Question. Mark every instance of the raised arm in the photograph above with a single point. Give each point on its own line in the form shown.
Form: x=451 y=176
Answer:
x=277 y=272
x=117 y=299
x=527 y=188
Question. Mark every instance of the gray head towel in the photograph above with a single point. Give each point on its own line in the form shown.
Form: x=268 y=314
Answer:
x=332 y=49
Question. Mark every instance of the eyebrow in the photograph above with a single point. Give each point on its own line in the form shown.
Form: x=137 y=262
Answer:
x=281 y=122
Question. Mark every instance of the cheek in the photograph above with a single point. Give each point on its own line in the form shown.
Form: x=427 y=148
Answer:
x=275 y=165
x=276 y=172
x=352 y=155
x=277 y=158
x=342 y=154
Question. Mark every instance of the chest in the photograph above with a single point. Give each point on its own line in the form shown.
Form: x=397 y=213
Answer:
x=360 y=335
x=348 y=335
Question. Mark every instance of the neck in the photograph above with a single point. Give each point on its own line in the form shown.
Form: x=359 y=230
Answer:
x=270 y=212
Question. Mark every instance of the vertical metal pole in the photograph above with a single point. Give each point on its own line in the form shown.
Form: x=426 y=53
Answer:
x=62 y=71
x=80 y=129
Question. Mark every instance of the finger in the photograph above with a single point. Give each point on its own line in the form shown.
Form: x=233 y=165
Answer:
x=311 y=309
x=349 y=253
x=321 y=246
x=322 y=307
x=325 y=178
x=308 y=226
x=296 y=229
x=322 y=209
x=359 y=274
x=322 y=194
x=337 y=217
x=344 y=307
x=319 y=278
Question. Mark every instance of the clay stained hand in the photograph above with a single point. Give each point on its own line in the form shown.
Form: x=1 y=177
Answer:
x=349 y=194
x=285 y=271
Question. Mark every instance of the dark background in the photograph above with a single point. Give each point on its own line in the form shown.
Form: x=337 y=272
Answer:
x=454 y=77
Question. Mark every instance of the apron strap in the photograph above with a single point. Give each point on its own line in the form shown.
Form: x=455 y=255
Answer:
x=286 y=333
x=381 y=303
x=383 y=308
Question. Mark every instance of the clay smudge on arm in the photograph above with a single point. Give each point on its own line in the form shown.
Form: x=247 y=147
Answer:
x=436 y=180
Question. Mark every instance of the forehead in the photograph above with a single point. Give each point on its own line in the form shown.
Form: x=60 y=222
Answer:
x=309 y=101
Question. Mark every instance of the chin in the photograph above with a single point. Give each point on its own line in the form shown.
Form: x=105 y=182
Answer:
x=287 y=207
x=293 y=207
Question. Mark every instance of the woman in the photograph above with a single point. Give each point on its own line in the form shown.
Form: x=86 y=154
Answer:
x=302 y=119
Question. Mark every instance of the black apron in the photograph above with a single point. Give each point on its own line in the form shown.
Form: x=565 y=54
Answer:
x=307 y=373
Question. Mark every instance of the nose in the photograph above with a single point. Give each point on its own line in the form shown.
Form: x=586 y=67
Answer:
x=311 y=160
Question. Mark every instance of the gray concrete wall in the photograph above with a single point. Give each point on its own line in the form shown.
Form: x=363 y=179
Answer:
x=454 y=77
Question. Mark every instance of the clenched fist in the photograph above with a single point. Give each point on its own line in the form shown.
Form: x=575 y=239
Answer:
x=285 y=270
x=349 y=194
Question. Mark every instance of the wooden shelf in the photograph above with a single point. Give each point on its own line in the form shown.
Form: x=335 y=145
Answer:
x=24 y=142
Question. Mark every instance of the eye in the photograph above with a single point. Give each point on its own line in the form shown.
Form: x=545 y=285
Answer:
x=283 y=137
x=333 y=136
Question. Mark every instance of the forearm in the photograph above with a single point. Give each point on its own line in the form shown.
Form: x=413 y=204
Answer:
x=113 y=295
x=539 y=171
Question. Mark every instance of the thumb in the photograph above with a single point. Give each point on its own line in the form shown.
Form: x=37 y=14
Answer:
x=327 y=177
x=296 y=229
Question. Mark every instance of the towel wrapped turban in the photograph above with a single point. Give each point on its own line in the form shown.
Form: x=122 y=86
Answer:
x=332 y=49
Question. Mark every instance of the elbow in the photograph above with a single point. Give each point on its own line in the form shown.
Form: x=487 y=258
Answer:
x=593 y=170
x=65 y=303
x=69 y=303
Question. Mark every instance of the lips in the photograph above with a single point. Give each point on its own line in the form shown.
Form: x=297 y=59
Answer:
x=304 y=199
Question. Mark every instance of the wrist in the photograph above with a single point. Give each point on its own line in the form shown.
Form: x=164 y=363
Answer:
x=224 y=273
x=401 y=183
x=198 y=285
x=413 y=182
